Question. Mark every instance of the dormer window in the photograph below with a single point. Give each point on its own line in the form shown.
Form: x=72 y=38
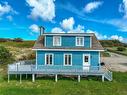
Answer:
x=56 y=40
x=79 y=41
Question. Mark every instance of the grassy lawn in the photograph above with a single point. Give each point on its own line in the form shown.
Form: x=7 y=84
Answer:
x=114 y=49
x=64 y=86
x=105 y=54
x=24 y=44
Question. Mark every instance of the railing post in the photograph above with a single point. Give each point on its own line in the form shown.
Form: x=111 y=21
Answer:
x=78 y=78
x=17 y=66
x=56 y=78
x=33 y=77
x=31 y=67
x=102 y=78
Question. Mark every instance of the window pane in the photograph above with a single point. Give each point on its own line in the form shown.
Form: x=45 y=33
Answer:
x=80 y=41
x=57 y=41
x=47 y=61
x=65 y=59
x=86 y=58
x=50 y=60
x=69 y=60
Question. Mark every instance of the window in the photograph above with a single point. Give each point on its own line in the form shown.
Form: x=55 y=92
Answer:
x=67 y=59
x=48 y=59
x=86 y=59
x=79 y=41
x=56 y=41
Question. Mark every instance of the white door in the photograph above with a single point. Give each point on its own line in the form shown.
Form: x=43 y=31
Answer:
x=86 y=62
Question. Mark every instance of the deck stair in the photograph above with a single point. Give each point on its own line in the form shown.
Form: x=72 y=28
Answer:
x=107 y=74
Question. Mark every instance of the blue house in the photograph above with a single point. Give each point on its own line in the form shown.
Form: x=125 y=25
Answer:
x=68 y=50
x=67 y=54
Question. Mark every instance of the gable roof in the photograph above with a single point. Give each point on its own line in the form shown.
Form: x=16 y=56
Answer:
x=39 y=44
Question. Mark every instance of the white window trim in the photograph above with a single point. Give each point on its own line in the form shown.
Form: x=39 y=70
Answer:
x=64 y=59
x=36 y=60
x=83 y=59
x=52 y=59
x=65 y=50
x=76 y=41
x=99 y=59
x=45 y=41
x=90 y=41
x=54 y=43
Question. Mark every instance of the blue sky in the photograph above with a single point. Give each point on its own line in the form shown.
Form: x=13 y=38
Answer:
x=21 y=18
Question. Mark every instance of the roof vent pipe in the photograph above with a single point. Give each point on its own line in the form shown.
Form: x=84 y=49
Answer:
x=42 y=29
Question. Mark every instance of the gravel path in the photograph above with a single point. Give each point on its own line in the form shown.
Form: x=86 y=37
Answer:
x=116 y=62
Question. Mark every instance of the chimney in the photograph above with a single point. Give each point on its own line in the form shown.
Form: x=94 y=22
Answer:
x=42 y=29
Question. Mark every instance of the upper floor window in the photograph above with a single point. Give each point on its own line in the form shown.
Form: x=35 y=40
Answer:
x=56 y=41
x=79 y=41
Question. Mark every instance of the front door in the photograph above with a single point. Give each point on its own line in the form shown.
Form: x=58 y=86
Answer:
x=86 y=62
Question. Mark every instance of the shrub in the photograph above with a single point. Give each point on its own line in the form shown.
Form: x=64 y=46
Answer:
x=18 y=40
x=31 y=56
x=4 y=54
x=121 y=48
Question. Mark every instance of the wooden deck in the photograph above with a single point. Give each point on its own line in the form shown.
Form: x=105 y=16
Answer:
x=58 y=70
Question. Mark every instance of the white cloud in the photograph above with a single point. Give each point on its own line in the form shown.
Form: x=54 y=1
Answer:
x=57 y=30
x=105 y=37
x=5 y=8
x=92 y=6
x=68 y=23
x=121 y=24
x=44 y=9
x=10 y=18
x=78 y=29
x=116 y=37
x=123 y=8
x=98 y=35
x=71 y=8
x=34 y=28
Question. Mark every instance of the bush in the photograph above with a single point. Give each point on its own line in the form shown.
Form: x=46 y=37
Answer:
x=121 y=48
x=31 y=56
x=18 y=40
x=4 y=54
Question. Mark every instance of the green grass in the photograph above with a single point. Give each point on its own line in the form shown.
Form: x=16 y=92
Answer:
x=105 y=54
x=64 y=86
x=114 y=49
x=24 y=44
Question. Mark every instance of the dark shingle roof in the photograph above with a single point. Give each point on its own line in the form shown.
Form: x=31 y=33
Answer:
x=39 y=44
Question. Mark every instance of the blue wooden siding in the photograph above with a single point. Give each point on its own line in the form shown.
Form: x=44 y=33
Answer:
x=77 y=57
x=49 y=41
x=67 y=41
x=87 y=42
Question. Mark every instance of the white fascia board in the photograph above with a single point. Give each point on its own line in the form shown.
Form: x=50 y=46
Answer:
x=64 y=50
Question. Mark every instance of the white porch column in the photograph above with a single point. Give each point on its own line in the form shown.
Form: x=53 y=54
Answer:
x=99 y=59
x=56 y=78
x=33 y=77
x=36 y=59
x=103 y=78
x=78 y=78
